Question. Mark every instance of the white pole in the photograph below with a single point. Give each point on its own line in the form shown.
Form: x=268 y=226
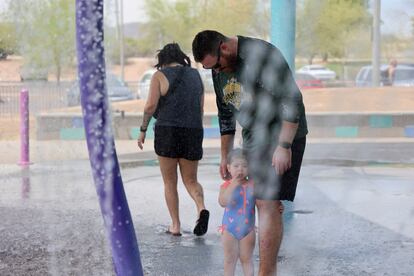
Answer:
x=376 y=44
x=121 y=38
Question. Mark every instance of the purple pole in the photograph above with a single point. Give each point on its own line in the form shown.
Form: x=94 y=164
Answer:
x=100 y=140
x=24 y=128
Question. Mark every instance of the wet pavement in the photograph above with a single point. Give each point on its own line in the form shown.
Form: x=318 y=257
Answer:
x=346 y=220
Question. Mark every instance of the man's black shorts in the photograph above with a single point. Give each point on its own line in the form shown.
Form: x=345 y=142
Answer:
x=269 y=185
x=179 y=142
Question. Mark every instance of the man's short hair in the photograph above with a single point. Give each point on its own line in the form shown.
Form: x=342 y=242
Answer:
x=206 y=42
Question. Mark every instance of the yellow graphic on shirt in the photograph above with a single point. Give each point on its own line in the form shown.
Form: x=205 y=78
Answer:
x=232 y=92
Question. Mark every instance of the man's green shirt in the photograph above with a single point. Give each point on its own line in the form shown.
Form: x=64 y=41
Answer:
x=261 y=93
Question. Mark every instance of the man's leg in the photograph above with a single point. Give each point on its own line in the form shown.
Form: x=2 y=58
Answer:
x=270 y=235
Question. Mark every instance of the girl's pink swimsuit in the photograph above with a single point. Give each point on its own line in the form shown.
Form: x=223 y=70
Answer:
x=239 y=214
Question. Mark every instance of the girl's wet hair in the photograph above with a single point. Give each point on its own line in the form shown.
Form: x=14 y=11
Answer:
x=171 y=53
x=236 y=154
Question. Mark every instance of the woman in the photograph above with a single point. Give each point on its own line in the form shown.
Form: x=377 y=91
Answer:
x=176 y=97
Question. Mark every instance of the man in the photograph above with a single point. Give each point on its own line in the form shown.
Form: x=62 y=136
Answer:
x=253 y=84
x=391 y=71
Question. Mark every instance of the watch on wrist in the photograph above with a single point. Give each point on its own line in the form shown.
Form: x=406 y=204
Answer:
x=285 y=145
x=142 y=129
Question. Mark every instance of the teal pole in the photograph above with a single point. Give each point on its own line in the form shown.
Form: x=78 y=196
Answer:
x=283 y=28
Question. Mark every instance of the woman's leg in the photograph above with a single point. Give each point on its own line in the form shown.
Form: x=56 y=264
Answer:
x=188 y=170
x=168 y=167
x=246 y=253
x=231 y=253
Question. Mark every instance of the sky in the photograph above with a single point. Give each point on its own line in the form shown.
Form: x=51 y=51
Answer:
x=395 y=14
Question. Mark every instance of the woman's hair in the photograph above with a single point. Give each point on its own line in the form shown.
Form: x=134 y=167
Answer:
x=236 y=154
x=171 y=53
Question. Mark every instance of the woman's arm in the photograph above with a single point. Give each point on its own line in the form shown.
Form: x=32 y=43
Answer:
x=150 y=106
x=152 y=100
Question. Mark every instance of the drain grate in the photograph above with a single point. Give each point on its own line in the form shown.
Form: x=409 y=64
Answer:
x=302 y=212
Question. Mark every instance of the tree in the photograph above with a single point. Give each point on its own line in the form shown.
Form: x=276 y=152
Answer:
x=46 y=34
x=60 y=33
x=230 y=17
x=180 y=20
x=307 y=22
x=168 y=21
x=326 y=27
x=7 y=40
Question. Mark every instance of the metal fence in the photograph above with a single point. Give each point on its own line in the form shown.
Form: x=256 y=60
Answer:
x=43 y=96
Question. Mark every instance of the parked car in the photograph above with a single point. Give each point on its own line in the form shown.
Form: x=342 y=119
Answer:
x=207 y=79
x=29 y=72
x=144 y=82
x=307 y=81
x=117 y=91
x=404 y=76
x=318 y=71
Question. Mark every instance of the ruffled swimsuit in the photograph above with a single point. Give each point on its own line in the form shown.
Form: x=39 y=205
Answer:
x=239 y=214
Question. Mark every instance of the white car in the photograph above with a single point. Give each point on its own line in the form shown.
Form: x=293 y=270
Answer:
x=117 y=91
x=318 y=71
x=144 y=82
x=404 y=76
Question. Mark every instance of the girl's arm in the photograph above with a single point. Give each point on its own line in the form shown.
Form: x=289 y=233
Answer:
x=226 y=192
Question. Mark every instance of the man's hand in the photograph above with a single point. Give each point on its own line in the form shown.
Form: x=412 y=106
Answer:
x=224 y=173
x=141 y=140
x=282 y=160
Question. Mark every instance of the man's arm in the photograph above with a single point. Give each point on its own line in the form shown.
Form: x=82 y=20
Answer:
x=282 y=157
x=227 y=143
x=227 y=126
x=292 y=106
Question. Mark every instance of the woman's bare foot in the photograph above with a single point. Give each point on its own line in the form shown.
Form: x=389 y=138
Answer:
x=173 y=231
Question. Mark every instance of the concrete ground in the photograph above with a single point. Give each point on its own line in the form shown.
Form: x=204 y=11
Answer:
x=353 y=214
x=385 y=150
x=350 y=217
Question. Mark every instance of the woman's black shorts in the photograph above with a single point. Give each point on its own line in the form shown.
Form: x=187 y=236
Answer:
x=179 y=142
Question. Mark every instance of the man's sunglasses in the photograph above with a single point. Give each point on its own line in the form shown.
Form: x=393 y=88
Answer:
x=217 y=65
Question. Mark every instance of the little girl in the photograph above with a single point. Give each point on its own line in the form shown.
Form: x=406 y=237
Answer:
x=238 y=226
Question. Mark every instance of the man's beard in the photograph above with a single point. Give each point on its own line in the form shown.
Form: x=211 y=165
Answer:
x=231 y=64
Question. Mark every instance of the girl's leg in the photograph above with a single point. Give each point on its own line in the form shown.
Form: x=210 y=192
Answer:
x=246 y=253
x=188 y=170
x=231 y=253
x=168 y=167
